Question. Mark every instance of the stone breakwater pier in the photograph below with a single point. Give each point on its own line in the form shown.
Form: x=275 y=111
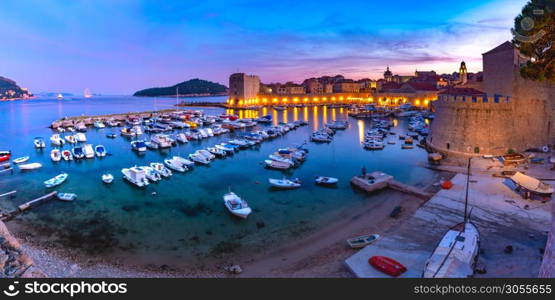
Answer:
x=121 y=117
x=377 y=180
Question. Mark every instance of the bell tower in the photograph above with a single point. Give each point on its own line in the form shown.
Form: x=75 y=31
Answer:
x=463 y=73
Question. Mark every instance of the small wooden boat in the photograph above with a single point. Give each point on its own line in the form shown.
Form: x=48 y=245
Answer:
x=406 y=146
x=435 y=157
x=20 y=160
x=362 y=241
x=387 y=265
x=56 y=180
x=66 y=196
x=107 y=178
x=515 y=158
x=31 y=166
x=323 y=180
x=532 y=184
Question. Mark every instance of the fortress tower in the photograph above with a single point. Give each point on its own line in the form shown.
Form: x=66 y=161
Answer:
x=510 y=113
x=243 y=87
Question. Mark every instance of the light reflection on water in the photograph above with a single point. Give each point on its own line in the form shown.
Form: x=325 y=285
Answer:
x=186 y=218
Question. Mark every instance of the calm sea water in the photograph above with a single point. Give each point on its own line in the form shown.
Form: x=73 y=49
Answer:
x=186 y=221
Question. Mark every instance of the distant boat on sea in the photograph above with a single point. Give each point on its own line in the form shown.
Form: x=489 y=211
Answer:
x=87 y=93
x=60 y=96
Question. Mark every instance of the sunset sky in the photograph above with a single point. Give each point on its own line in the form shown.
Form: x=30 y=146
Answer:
x=118 y=47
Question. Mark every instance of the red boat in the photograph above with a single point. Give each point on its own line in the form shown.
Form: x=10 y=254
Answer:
x=5 y=155
x=387 y=265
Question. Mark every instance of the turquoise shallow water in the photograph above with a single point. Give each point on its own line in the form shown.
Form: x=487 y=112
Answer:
x=186 y=220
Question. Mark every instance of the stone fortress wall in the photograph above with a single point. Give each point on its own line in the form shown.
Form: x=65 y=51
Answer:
x=517 y=113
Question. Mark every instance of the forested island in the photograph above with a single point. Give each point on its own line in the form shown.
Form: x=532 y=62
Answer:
x=193 y=87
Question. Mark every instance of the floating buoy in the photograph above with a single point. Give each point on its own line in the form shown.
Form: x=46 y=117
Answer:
x=545 y=149
x=446 y=185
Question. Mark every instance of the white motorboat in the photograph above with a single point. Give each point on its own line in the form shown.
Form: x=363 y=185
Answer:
x=160 y=169
x=183 y=161
x=99 y=125
x=281 y=159
x=31 y=166
x=374 y=145
x=225 y=148
x=78 y=152
x=80 y=137
x=56 y=180
x=285 y=183
x=70 y=139
x=88 y=151
x=20 y=160
x=237 y=206
x=151 y=145
x=277 y=164
x=60 y=129
x=175 y=165
x=57 y=140
x=138 y=146
x=128 y=132
x=240 y=143
x=100 y=151
x=138 y=130
x=323 y=180
x=199 y=159
x=216 y=151
x=206 y=154
x=151 y=174
x=203 y=133
x=136 y=176
x=55 y=155
x=39 y=143
x=107 y=178
x=182 y=138
x=209 y=131
x=163 y=140
x=320 y=138
x=66 y=155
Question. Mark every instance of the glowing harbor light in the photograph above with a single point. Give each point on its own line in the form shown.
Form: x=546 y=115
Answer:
x=417 y=102
x=315 y=99
x=284 y=100
x=426 y=102
x=324 y=99
x=332 y=98
x=341 y=98
x=275 y=100
x=305 y=99
x=295 y=99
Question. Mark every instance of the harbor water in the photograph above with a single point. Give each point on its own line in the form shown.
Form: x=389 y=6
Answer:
x=183 y=218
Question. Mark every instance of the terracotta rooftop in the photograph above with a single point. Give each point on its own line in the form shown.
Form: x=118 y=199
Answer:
x=462 y=92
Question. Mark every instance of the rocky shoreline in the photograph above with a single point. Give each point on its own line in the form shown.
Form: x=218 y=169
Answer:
x=14 y=261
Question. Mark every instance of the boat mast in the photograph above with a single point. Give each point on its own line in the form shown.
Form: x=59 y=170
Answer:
x=466 y=197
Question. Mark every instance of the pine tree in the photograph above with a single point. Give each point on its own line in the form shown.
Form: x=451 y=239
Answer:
x=533 y=35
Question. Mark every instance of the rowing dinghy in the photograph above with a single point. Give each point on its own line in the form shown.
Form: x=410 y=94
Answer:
x=362 y=241
x=56 y=180
x=66 y=196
